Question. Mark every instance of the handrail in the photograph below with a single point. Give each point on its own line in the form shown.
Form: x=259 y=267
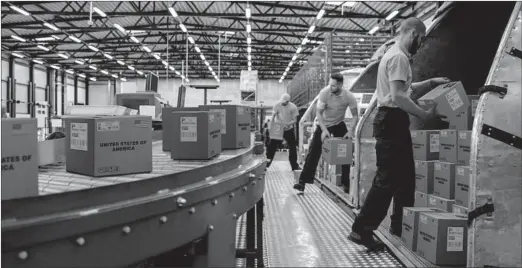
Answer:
x=302 y=125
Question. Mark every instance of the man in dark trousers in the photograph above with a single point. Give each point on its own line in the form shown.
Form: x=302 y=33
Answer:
x=331 y=110
x=285 y=112
x=395 y=177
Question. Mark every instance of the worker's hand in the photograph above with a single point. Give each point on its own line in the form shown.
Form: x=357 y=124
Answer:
x=437 y=81
x=325 y=135
x=431 y=113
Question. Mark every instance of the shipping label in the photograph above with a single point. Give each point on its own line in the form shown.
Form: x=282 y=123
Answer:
x=108 y=126
x=342 y=150
x=454 y=99
x=211 y=118
x=22 y=129
x=189 y=129
x=434 y=143
x=474 y=104
x=141 y=123
x=416 y=164
x=423 y=219
x=432 y=201
x=460 y=171
x=455 y=239
x=438 y=166
x=240 y=110
x=78 y=136
x=223 y=117
x=414 y=134
x=463 y=135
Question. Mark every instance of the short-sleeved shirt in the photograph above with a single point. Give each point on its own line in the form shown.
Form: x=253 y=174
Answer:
x=335 y=105
x=394 y=66
x=286 y=113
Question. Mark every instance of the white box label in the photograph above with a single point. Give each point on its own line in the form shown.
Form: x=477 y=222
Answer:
x=434 y=143
x=460 y=171
x=416 y=164
x=414 y=134
x=438 y=166
x=455 y=239
x=240 y=110
x=223 y=117
x=423 y=219
x=454 y=99
x=79 y=136
x=342 y=150
x=433 y=201
x=457 y=210
x=462 y=135
x=474 y=104
x=108 y=126
x=189 y=129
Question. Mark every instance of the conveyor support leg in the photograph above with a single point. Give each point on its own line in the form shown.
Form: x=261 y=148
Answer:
x=221 y=246
x=254 y=237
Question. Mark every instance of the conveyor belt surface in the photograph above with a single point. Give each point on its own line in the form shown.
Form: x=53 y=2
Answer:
x=54 y=178
x=309 y=230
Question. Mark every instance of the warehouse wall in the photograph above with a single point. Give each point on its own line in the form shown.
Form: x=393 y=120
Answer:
x=269 y=91
x=22 y=77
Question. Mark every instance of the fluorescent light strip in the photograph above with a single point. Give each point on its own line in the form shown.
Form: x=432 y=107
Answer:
x=146 y=49
x=202 y=57
x=248 y=13
x=173 y=12
x=92 y=78
x=135 y=40
x=19 y=10
x=115 y=76
x=131 y=68
x=45 y=39
x=69 y=71
x=164 y=63
x=182 y=27
x=197 y=49
x=79 y=62
x=210 y=68
x=16 y=37
x=55 y=67
x=392 y=15
x=320 y=14
x=156 y=56
x=249 y=40
x=50 y=26
x=101 y=13
x=373 y=30
x=108 y=56
x=140 y=72
x=123 y=79
x=177 y=73
x=172 y=68
x=299 y=49
x=311 y=30
x=206 y=63
x=248 y=28
x=38 y=61
x=191 y=40
x=18 y=55
x=81 y=75
x=43 y=48
x=104 y=72
x=93 y=67
x=72 y=37
x=95 y=49
x=63 y=56
x=121 y=29
x=120 y=62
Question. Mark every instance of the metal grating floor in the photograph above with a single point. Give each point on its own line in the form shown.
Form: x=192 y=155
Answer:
x=309 y=230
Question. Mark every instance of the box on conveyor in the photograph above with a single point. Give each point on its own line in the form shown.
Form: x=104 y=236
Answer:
x=277 y=129
x=235 y=125
x=421 y=199
x=19 y=158
x=442 y=238
x=461 y=210
x=410 y=224
x=444 y=180
x=448 y=146
x=109 y=145
x=440 y=203
x=425 y=144
x=424 y=176
x=337 y=151
x=197 y=135
x=464 y=119
x=168 y=124
x=450 y=98
x=462 y=180
x=464 y=148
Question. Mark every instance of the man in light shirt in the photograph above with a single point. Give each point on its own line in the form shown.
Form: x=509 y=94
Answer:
x=285 y=112
x=331 y=110
x=395 y=176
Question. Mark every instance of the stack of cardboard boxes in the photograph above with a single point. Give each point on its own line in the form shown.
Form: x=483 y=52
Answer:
x=336 y=153
x=436 y=228
x=201 y=133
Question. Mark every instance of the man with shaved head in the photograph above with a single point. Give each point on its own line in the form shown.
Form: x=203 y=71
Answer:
x=395 y=176
x=285 y=112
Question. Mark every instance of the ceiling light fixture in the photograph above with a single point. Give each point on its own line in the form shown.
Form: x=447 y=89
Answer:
x=392 y=15
x=79 y=62
x=120 y=62
x=63 y=55
x=38 y=61
x=173 y=12
x=93 y=67
x=16 y=37
x=121 y=29
x=18 y=55
x=72 y=37
x=135 y=40
x=101 y=13
x=182 y=27
x=42 y=48
x=19 y=10
x=93 y=48
x=320 y=14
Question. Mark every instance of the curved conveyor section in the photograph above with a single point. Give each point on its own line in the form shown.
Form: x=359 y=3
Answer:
x=123 y=222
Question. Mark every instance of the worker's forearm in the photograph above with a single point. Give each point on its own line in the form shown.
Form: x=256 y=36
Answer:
x=407 y=105
x=420 y=89
x=320 y=121
x=355 y=122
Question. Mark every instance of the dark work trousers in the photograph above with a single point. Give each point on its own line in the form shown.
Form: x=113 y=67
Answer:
x=289 y=136
x=314 y=155
x=395 y=177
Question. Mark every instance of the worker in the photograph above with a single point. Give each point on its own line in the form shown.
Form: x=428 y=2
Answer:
x=285 y=112
x=395 y=176
x=332 y=103
x=266 y=130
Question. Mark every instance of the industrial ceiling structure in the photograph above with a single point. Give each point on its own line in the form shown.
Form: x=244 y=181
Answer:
x=127 y=39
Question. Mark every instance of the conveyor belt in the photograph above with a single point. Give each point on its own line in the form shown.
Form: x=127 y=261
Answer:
x=309 y=230
x=54 y=178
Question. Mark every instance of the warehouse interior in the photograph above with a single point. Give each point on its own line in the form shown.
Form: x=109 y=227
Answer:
x=135 y=134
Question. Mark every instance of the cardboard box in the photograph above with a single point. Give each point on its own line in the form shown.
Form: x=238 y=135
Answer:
x=440 y=203
x=277 y=130
x=464 y=120
x=109 y=145
x=197 y=135
x=425 y=144
x=442 y=238
x=461 y=210
x=444 y=182
x=168 y=124
x=450 y=98
x=464 y=147
x=421 y=199
x=424 y=176
x=337 y=151
x=448 y=146
x=462 y=179
x=410 y=225
x=336 y=179
x=19 y=158
x=235 y=124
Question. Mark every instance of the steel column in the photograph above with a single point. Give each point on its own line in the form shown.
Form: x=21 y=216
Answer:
x=63 y=93
x=11 y=89
x=87 y=91
x=76 y=90
x=31 y=91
